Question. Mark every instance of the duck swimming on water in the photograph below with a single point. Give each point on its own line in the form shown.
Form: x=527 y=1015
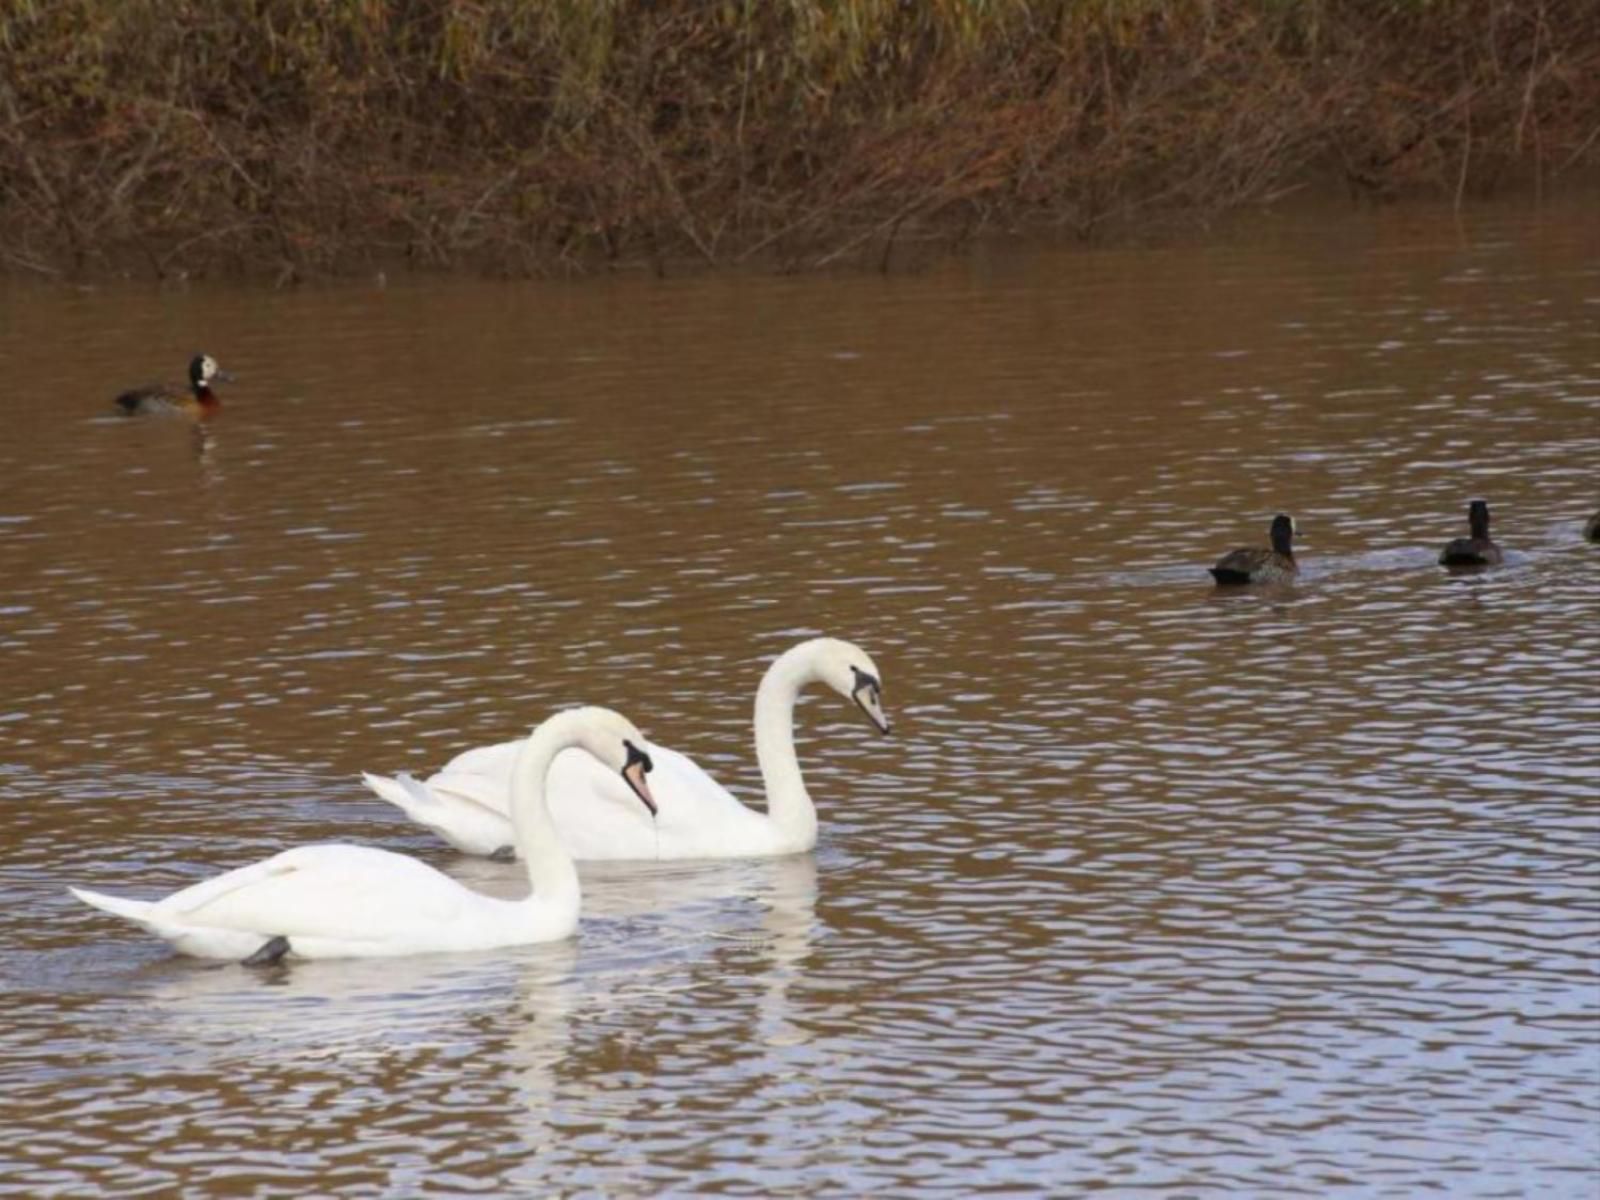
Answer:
x=1255 y=564
x=1476 y=550
x=197 y=401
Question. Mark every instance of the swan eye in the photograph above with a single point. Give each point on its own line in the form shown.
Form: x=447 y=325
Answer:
x=867 y=682
x=636 y=757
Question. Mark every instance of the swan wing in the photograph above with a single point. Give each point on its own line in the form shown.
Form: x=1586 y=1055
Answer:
x=471 y=812
x=702 y=819
x=595 y=812
x=339 y=892
x=600 y=818
x=494 y=761
x=686 y=779
x=488 y=793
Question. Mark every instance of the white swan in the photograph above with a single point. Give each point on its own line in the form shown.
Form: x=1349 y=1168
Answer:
x=340 y=901
x=466 y=802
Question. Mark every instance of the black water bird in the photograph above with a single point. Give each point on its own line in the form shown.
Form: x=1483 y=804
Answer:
x=1476 y=550
x=1255 y=564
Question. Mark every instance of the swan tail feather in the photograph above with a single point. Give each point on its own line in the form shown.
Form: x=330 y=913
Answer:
x=452 y=809
x=402 y=791
x=197 y=940
x=137 y=911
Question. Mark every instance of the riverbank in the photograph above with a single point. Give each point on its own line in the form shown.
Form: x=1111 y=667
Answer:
x=291 y=139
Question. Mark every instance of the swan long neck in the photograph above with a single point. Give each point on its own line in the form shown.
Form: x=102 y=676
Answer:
x=552 y=874
x=788 y=803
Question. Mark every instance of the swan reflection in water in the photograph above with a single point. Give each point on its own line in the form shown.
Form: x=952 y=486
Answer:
x=321 y=1009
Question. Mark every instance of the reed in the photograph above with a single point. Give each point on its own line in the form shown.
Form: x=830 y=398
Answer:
x=312 y=136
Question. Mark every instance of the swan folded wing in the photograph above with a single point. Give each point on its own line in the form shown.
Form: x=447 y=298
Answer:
x=596 y=814
x=682 y=775
x=485 y=792
x=493 y=761
x=699 y=817
x=578 y=786
x=471 y=823
x=328 y=891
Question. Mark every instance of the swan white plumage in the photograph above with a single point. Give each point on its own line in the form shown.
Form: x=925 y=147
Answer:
x=342 y=901
x=466 y=802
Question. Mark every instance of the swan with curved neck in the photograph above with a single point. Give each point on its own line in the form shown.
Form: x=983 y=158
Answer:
x=343 y=901
x=466 y=803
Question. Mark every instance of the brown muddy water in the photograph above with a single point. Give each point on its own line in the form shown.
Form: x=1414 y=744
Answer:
x=1155 y=890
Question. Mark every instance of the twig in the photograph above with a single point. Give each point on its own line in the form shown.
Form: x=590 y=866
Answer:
x=1583 y=149
x=16 y=259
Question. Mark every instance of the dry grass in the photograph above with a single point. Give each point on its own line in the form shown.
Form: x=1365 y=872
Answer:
x=313 y=136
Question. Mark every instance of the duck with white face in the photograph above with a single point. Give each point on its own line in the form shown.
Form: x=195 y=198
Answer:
x=345 y=901
x=197 y=400
x=466 y=802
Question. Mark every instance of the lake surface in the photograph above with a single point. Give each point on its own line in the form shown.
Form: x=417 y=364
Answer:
x=1156 y=890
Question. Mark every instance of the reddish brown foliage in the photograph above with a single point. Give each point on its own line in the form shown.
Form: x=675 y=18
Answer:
x=297 y=137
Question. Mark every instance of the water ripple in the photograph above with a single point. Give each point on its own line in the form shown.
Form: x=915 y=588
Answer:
x=1156 y=889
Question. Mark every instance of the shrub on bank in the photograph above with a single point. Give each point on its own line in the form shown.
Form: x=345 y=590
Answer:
x=302 y=136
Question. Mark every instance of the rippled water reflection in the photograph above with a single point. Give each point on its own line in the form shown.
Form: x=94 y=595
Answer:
x=1156 y=889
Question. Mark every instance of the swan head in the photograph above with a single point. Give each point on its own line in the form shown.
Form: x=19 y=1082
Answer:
x=617 y=743
x=850 y=671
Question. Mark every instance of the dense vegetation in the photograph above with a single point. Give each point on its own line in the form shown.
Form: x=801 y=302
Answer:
x=309 y=136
